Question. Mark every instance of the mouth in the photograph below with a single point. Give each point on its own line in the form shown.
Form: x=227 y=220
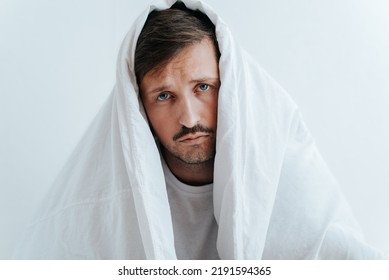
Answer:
x=194 y=138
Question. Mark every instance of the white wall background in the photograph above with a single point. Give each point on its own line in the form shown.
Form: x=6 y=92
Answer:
x=57 y=66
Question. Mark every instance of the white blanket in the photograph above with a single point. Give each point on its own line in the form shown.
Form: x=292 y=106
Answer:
x=274 y=197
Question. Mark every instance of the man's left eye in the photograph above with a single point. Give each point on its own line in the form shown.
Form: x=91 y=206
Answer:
x=203 y=87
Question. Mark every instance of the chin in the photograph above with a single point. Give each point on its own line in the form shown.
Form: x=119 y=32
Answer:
x=196 y=155
x=196 y=159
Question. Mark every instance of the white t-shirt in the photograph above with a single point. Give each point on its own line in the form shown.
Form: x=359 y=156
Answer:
x=194 y=225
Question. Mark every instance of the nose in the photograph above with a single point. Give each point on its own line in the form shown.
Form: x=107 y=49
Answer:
x=189 y=113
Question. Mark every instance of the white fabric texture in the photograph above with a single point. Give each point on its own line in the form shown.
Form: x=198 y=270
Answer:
x=274 y=197
x=194 y=225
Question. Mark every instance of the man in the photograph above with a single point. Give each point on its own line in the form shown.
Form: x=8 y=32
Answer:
x=177 y=69
x=197 y=154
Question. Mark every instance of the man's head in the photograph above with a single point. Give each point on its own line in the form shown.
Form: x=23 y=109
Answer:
x=176 y=65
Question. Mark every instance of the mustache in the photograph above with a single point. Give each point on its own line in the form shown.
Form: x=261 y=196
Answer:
x=197 y=128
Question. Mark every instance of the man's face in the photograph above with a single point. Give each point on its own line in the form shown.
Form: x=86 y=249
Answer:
x=181 y=103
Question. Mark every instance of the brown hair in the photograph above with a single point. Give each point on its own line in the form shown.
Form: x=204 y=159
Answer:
x=166 y=33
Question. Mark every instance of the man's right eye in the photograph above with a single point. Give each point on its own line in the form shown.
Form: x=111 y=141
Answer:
x=163 y=96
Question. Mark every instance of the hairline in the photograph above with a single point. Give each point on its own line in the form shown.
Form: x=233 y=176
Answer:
x=160 y=66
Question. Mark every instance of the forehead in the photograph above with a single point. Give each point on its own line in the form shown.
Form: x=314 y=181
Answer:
x=195 y=62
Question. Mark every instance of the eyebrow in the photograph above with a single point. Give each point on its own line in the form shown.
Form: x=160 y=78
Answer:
x=206 y=79
x=158 y=89
x=194 y=81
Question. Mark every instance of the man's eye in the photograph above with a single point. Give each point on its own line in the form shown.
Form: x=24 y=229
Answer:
x=163 y=96
x=203 y=87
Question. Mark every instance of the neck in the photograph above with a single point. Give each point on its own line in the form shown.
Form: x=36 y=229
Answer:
x=196 y=174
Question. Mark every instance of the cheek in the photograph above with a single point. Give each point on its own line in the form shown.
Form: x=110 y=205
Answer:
x=212 y=111
x=151 y=116
x=162 y=123
x=155 y=119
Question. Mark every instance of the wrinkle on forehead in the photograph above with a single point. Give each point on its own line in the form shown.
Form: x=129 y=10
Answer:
x=192 y=64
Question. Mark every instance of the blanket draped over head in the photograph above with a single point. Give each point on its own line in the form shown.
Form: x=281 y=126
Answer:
x=274 y=197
